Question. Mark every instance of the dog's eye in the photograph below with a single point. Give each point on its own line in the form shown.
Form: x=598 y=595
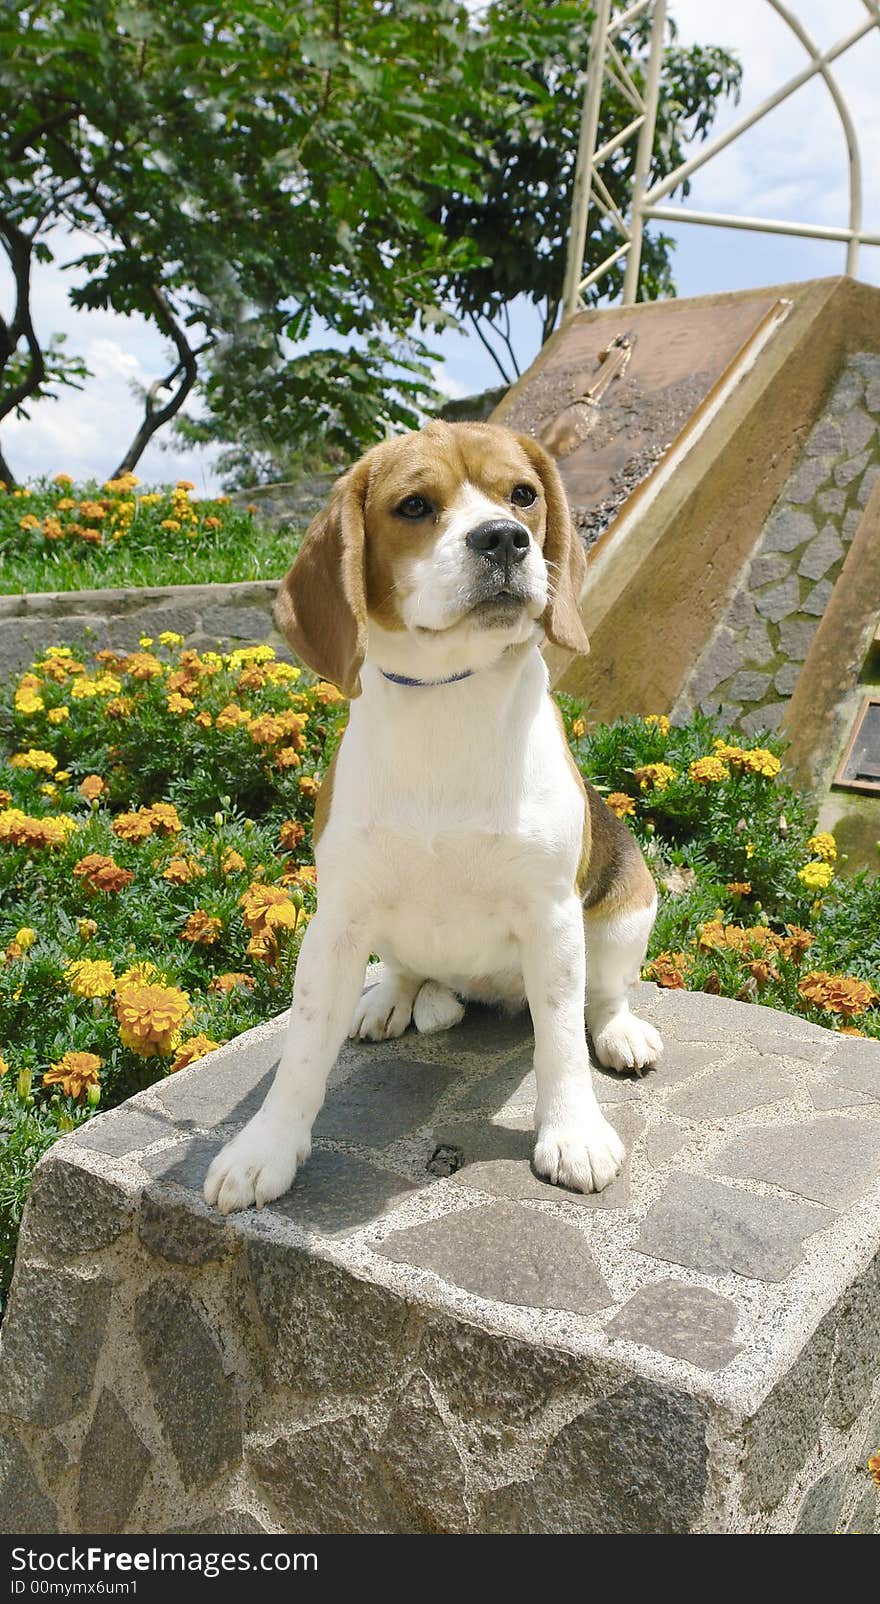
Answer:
x=523 y=496
x=414 y=507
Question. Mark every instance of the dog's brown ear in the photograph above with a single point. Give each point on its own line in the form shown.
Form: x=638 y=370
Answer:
x=564 y=555
x=321 y=607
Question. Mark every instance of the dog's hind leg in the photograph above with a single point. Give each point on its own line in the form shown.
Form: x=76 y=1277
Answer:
x=436 y=1008
x=385 y=1009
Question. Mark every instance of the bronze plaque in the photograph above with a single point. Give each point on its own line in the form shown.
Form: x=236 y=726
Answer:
x=679 y=353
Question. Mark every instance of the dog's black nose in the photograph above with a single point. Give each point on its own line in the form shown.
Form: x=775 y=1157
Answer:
x=500 y=541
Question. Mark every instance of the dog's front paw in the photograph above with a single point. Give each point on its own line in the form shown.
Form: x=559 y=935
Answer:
x=384 y=1011
x=258 y=1165
x=627 y=1042
x=585 y=1155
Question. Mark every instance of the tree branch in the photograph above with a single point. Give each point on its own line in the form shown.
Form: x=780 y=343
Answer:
x=493 y=354
x=19 y=247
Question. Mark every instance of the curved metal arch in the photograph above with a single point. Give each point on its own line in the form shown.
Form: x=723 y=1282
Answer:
x=589 y=187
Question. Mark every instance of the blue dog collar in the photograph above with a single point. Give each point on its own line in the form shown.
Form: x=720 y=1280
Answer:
x=403 y=679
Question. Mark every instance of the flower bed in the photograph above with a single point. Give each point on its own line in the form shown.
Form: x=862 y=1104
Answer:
x=156 y=872
x=55 y=535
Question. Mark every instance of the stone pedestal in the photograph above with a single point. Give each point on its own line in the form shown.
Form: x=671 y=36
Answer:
x=423 y=1336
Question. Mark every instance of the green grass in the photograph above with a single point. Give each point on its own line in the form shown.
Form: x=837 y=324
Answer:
x=134 y=548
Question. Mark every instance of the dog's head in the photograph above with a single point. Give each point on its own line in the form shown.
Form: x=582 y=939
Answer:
x=436 y=552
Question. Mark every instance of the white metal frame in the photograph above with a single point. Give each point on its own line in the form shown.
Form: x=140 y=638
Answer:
x=590 y=190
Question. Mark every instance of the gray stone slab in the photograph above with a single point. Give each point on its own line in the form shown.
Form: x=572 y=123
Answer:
x=512 y=1082
x=858 y=431
x=865 y=1518
x=786 y=679
x=862 y=1079
x=185 y=1162
x=681 y=1060
x=225 y=1523
x=179 y=1228
x=498 y=1160
x=714 y=1228
x=749 y=686
x=24 y=1507
x=234 y=1092
x=796 y=637
x=767 y=569
x=849 y=469
x=788 y=529
x=848 y=390
x=597 y=1476
x=237 y=623
x=872 y=396
x=508 y=1253
x=420 y=1462
x=749 y=1082
x=832 y=503
x=52 y=1336
x=757 y=648
x=869 y=479
x=196 y=1401
x=830 y=1160
x=785 y=1428
x=124 y=1130
x=809 y=476
x=820 y=1511
x=779 y=601
x=387 y=1098
x=662 y=1142
x=856 y=1361
x=112 y=1467
x=325 y=1480
x=825 y=436
x=686 y=1322
x=335 y=1193
x=72 y=1212
x=304 y=1304
x=768 y=717
x=821 y=554
x=499 y=1380
x=817 y=600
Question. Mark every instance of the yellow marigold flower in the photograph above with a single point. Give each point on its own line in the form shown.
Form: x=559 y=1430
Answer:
x=102 y=874
x=266 y=908
x=621 y=804
x=90 y=978
x=278 y=673
x=327 y=694
x=62 y=479
x=729 y=754
x=308 y=785
x=656 y=776
x=667 y=969
x=816 y=876
x=149 y=1017
x=171 y=524
x=205 y=720
x=179 y=871
x=232 y=715
x=141 y=974
x=133 y=826
x=202 y=928
x=91 y=787
x=75 y=1073
x=142 y=665
x=251 y=654
x=29 y=704
x=708 y=770
x=185 y=484
x=82 y=690
x=179 y=704
x=92 y=509
x=760 y=761
x=189 y=1051
x=823 y=846
x=65 y=504
x=58 y=715
x=578 y=728
x=25 y=938
x=145 y=641
x=151 y=497
x=52 y=529
x=166 y=818
x=837 y=994
x=108 y=684
x=87 y=928
x=658 y=721
x=36 y=760
x=28 y=522
x=4 y=1067
x=170 y=637
x=232 y=862
x=120 y=707
x=49 y=789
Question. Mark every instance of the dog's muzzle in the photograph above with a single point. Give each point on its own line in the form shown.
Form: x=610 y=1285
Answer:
x=499 y=541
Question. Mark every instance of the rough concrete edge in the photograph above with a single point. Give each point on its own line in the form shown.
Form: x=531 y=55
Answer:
x=54 y=603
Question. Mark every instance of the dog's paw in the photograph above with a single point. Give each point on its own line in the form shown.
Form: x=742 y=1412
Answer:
x=585 y=1155
x=627 y=1043
x=436 y=1008
x=258 y=1165
x=383 y=1012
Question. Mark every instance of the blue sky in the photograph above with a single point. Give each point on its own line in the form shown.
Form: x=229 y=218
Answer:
x=791 y=165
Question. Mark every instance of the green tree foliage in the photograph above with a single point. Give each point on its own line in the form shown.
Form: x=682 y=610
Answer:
x=247 y=174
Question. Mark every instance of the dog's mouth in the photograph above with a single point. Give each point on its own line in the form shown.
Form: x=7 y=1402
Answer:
x=497 y=608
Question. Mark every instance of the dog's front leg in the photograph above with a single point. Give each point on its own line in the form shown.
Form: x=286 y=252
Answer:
x=576 y=1146
x=261 y=1161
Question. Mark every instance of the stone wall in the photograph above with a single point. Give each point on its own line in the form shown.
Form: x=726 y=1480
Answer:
x=422 y=1336
x=751 y=665
x=207 y=616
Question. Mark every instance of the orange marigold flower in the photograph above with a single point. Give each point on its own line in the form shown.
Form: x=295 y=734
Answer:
x=266 y=729
x=266 y=908
x=874 y=1467
x=287 y=757
x=668 y=969
x=119 y=707
x=181 y=870
x=762 y=970
x=102 y=874
x=28 y=522
x=837 y=994
x=304 y=874
x=229 y=981
x=133 y=826
x=185 y=484
x=205 y=720
x=291 y=834
x=327 y=693
x=141 y=665
x=231 y=716
x=739 y=888
x=92 y=509
x=20 y=830
x=621 y=804
x=213 y=523
x=796 y=943
x=62 y=479
x=166 y=819
x=75 y=1073
x=202 y=928
x=189 y=1051
x=149 y=1017
x=52 y=529
x=232 y=862
x=5 y=797
x=253 y=678
x=91 y=787
x=308 y=785
x=734 y=755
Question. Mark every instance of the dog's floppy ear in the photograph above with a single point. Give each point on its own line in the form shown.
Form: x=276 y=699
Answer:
x=322 y=606
x=564 y=555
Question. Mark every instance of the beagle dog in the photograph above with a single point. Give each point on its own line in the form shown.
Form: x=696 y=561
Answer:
x=454 y=835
